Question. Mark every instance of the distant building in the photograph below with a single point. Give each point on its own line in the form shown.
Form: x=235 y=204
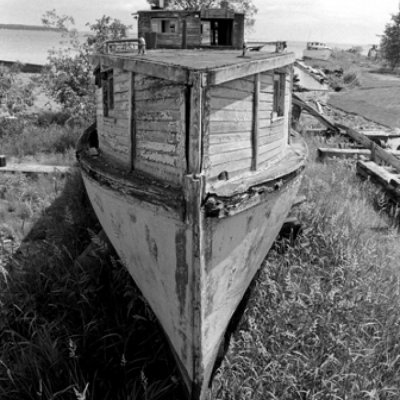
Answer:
x=183 y=29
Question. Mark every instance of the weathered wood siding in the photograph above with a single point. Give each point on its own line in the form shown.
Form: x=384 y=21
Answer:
x=160 y=125
x=233 y=140
x=193 y=35
x=114 y=129
x=270 y=132
x=228 y=140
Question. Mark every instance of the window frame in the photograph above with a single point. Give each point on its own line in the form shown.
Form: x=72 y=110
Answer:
x=164 y=25
x=107 y=83
x=278 y=107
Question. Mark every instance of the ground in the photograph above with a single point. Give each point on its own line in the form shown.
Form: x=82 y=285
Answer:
x=377 y=98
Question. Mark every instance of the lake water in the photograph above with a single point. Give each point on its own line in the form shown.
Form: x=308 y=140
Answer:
x=32 y=46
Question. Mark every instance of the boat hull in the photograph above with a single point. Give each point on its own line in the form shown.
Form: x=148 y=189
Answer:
x=192 y=271
x=317 y=54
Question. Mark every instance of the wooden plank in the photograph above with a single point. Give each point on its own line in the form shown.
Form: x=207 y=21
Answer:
x=231 y=115
x=226 y=147
x=324 y=152
x=227 y=127
x=240 y=136
x=375 y=134
x=238 y=85
x=223 y=74
x=231 y=105
x=160 y=93
x=380 y=154
x=229 y=93
x=269 y=148
x=254 y=136
x=170 y=104
x=159 y=116
x=379 y=174
x=321 y=118
x=36 y=169
x=230 y=157
x=146 y=67
x=194 y=123
x=132 y=121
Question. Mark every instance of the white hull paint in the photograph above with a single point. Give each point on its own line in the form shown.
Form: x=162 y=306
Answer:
x=193 y=288
x=317 y=54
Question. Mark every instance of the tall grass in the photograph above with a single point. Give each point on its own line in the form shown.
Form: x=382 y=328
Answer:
x=325 y=319
x=71 y=331
x=26 y=140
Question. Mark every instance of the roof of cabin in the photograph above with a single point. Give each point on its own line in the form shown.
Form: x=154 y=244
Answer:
x=177 y=65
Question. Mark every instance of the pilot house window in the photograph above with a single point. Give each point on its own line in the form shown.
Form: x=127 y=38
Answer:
x=160 y=25
x=279 y=94
x=108 y=91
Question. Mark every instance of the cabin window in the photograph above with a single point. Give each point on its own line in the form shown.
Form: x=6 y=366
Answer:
x=160 y=25
x=108 y=91
x=279 y=95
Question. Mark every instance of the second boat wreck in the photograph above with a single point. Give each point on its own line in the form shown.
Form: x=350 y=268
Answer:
x=192 y=171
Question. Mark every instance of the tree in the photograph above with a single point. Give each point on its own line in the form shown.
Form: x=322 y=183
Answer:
x=390 y=42
x=68 y=75
x=245 y=6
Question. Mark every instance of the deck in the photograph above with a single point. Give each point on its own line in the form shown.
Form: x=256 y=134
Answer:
x=175 y=65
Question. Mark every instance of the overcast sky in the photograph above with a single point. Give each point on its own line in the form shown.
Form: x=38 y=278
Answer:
x=334 y=21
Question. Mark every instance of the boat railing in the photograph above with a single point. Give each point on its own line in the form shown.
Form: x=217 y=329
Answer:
x=128 y=45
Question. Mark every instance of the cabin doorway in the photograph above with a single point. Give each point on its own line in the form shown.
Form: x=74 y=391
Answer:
x=217 y=32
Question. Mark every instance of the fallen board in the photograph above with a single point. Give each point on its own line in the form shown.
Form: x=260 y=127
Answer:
x=384 y=176
x=375 y=134
x=378 y=154
x=312 y=111
x=325 y=152
x=36 y=169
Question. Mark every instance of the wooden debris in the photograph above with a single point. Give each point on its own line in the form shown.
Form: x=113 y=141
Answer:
x=385 y=176
x=378 y=154
x=36 y=169
x=324 y=152
x=321 y=118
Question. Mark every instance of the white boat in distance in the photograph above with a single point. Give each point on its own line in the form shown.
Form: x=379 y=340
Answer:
x=317 y=51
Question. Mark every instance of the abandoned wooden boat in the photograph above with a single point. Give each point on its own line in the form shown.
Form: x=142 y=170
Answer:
x=192 y=171
x=317 y=51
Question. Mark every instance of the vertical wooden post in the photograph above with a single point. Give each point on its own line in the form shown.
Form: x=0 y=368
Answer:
x=290 y=113
x=194 y=125
x=254 y=136
x=133 y=121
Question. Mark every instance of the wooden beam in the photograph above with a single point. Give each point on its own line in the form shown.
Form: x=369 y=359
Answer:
x=194 y=124
x=36 y=169
x=380 y=154
x=390 y=182
x=146 y=67
x=324 y=152
x=321 y=118
x=254 y=135
x=132 y=117
x=223 y=74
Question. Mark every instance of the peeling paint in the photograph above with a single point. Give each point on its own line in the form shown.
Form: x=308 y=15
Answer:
x=182 y=269
x=152 y=244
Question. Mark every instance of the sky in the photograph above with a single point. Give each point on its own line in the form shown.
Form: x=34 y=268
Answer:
x=331 y=21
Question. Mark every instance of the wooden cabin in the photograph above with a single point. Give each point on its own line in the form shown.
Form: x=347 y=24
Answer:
x=146 y=117
x=179 y=29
